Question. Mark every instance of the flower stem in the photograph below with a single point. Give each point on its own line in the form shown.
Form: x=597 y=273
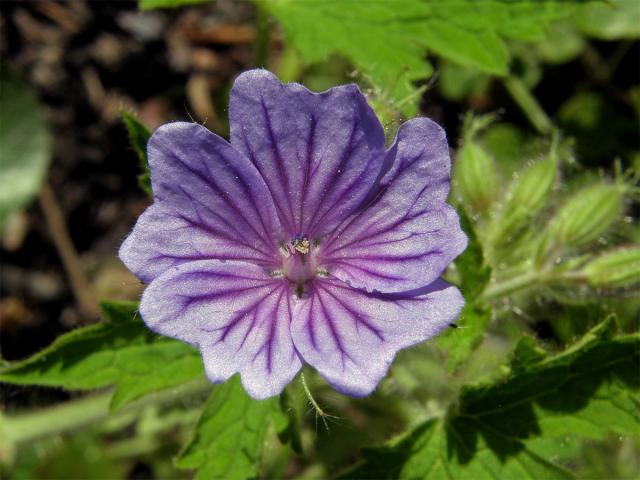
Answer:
x=503 y=288
x=529 y=105
x=529 y=279
x=76 y=414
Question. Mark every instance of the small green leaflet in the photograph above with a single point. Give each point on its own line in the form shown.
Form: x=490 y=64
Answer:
x=139 y=136
x=388 y=41
x=502 y=429
x=474 y=318
x=122 y=352
x=25 y=144
x=151 y=4
x=231 y=434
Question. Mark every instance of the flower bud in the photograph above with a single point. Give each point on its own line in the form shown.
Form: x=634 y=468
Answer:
x=617 y=268
x=527 y=195
x=588 y=213
x=475 y=177
x=532 y=188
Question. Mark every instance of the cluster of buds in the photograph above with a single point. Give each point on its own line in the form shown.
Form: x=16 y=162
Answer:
x=517 y=226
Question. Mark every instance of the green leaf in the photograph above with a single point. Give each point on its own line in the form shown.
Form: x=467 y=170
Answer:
x=474 y=319
x=294 y=403
x=561 y=45
x=231 y=434
x=458 y=82
x=388 y=41
x=501 y=429
x=151 y=4
x=122 y=352
x=610 y=20
x=25 y=144
x=139 y=137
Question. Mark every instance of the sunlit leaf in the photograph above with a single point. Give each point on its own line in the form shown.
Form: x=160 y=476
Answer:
x=388 y=41
x=502 y=429
x=122 y=352
x=231 y=433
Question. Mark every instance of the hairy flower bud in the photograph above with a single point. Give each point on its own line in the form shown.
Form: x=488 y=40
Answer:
x=475 y=177
x=588 y=214
x=617 y=268
x=527 y=195
x=531 y=189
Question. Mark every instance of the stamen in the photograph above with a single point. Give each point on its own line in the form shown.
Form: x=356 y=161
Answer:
x=301 y=244
x=322 y=272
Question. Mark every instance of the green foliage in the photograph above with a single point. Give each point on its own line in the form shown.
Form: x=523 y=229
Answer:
x=561 y=45
x=610 y=20
x=122 y=352
x=151 y=4
x=25 y=144
x=457 y=82
x=501 y=429
x=139 y=137
x=475 y=317
x=388 y=41
x=81 y=456
x=231 y=434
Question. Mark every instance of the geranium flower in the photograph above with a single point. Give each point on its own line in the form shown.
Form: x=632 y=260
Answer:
x=301 y=240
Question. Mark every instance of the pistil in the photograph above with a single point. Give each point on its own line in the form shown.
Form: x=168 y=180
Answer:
x=299 y=261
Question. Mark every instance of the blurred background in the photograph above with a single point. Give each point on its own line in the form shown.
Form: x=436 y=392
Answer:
x=75 y=66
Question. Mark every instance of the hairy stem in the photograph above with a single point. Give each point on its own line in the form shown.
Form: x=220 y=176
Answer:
x=496 y=290
x=86 y=411
x=529 y=105
x=504 y=288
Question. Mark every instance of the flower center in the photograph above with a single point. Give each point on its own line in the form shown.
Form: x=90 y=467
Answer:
x=299 y=262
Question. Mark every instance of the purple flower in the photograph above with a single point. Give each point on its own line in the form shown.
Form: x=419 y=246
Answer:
x=302 y=240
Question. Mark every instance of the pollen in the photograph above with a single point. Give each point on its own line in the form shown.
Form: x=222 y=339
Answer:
x=301 y=244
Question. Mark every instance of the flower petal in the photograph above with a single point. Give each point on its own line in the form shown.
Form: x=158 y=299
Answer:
x=238 y=317
x=210 y=203
x=351 y=336
x=407 y=235
x=164 y=237
x=318 y=153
